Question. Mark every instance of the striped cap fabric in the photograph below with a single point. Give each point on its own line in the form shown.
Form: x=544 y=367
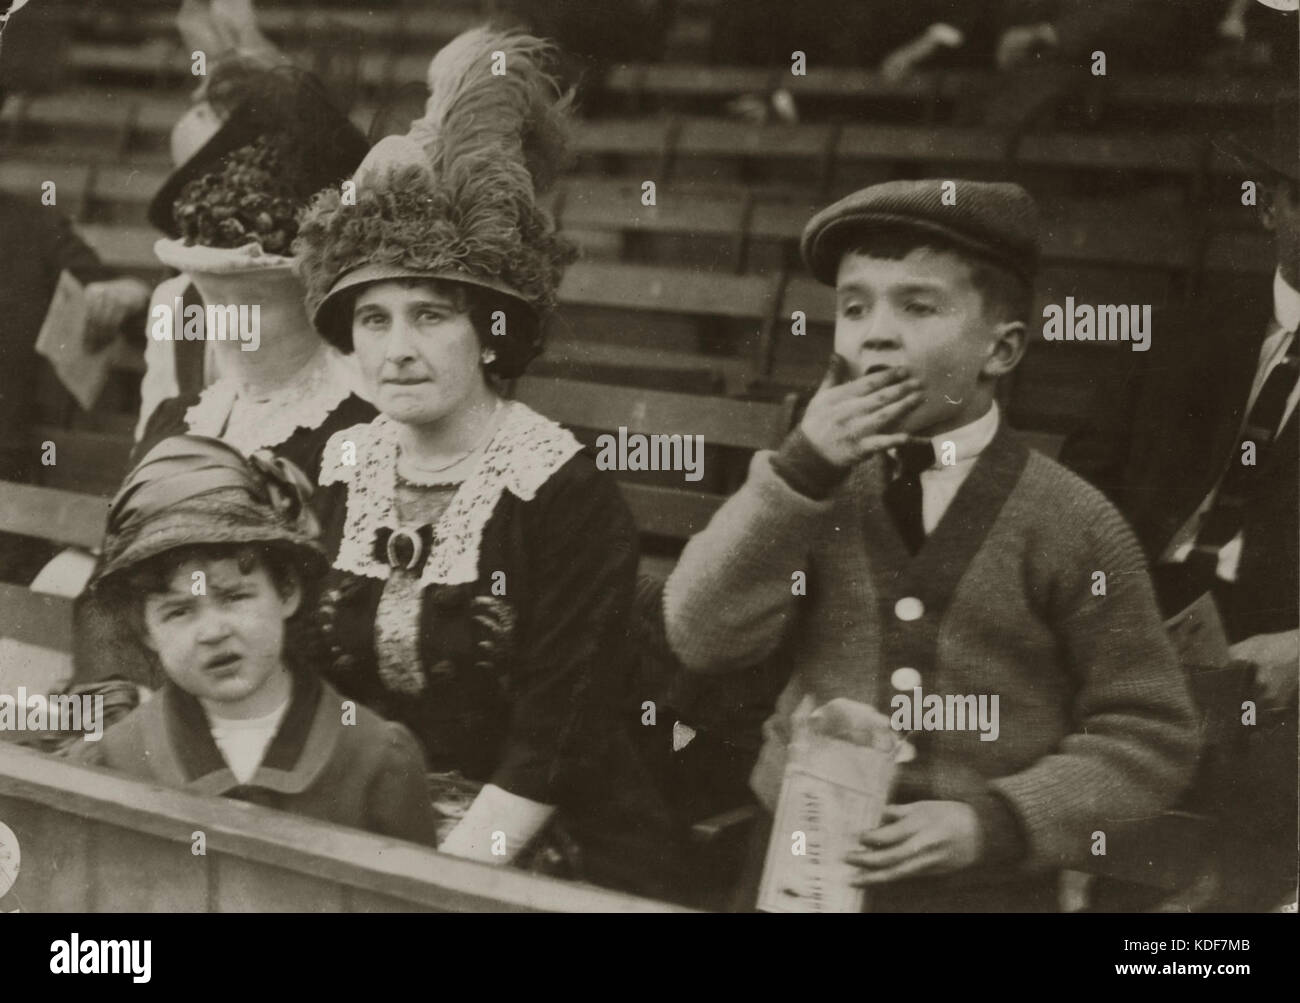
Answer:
x=995 y=220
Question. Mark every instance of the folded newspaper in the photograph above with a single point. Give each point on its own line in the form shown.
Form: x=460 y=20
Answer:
x=838 y=778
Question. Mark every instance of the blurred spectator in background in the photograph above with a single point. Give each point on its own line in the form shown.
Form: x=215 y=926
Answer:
x=1142 y=35
x=896 y=38
x=39 y=244
x=1168 y=445
x=240 y=59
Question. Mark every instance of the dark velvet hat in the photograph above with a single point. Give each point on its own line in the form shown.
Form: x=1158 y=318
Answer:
x=191 y=489
x=283 y=103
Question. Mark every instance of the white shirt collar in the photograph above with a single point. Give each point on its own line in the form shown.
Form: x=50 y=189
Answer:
x=1286 y=303
x=968 y=440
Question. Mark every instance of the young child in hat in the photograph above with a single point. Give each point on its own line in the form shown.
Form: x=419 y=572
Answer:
x=942 y=556
x=210 y=557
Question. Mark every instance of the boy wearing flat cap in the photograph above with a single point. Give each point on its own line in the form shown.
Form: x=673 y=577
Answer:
x=941 y=556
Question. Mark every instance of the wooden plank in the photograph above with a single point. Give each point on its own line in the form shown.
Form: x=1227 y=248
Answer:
x=712 y=137
x=247 y=886
x=35 y=618
x=621 y=137
x=55 y=873
x=59 y=516
x=360 y=900
x=304 y=846
x=1166 y=153
x=86 y=462
x=671 y=512
x=579 y=353
x=1245 y=252
x=668 y=290
x=618 y=207
x=173 y=880
x=123 y=246
x=897 y=143
x=721 y=421
x=817 y=301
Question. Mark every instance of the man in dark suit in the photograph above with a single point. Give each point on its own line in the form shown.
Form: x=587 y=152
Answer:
x=1198 y=448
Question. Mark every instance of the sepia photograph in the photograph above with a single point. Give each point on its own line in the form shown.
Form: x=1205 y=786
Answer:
x=650 y=456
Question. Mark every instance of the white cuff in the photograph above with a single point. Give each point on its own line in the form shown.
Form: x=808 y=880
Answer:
x=497 y=826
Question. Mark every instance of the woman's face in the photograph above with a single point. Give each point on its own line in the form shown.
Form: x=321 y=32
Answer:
x=418 y=352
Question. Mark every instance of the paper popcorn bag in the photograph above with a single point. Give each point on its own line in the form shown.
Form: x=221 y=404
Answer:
x=837 y=781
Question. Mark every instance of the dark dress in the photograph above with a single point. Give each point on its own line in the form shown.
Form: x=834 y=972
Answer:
x=521 y=661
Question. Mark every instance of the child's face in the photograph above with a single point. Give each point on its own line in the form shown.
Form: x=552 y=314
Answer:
x=922 y=312
x=226 y=644
x=418 y=352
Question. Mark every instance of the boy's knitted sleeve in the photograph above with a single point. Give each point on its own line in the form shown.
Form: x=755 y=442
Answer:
x=1134 y=741
x=731 y=598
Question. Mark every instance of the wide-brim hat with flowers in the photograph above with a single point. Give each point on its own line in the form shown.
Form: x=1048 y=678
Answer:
x=456 y=198
x=194 y=490
x=233 y=205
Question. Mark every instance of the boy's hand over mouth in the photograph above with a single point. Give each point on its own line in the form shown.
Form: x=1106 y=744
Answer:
x=849 y=421
x=924 y=837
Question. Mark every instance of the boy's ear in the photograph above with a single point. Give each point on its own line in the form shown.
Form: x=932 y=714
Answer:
x=1008 y=348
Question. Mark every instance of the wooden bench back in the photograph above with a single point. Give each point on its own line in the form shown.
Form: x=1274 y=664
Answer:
x=671 y=512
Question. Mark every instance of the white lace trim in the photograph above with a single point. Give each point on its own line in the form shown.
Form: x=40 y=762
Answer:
x=305 y=403
x=523 y=454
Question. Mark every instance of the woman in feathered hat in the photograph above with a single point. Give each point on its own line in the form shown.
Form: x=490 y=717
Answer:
x=484 y=569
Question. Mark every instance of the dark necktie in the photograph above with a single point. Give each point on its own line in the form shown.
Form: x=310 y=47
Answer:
x=1224 y=519
x=903 y=492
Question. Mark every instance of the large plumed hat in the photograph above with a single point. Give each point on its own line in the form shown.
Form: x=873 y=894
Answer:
x=191 y=489
x=455 y=199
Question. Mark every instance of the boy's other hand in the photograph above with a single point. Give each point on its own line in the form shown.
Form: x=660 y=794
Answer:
x=848 y=421
x=924 y=837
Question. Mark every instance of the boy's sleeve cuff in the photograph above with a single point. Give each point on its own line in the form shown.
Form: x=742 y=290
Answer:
x=1000 y=832
x=801 y=466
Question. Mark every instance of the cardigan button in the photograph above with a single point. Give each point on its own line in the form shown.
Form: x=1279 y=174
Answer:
x=909 y=608
x=905 y=679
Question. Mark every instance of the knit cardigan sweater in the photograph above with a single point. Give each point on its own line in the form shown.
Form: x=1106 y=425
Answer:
x=1096 y=724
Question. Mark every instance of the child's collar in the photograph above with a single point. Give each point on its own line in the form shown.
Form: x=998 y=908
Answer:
x=186 y=755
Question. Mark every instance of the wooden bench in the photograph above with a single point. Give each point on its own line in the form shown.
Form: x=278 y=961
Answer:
x=92 y=841
x=668 y=513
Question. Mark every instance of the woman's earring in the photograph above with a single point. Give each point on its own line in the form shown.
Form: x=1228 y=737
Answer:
x=489 y=356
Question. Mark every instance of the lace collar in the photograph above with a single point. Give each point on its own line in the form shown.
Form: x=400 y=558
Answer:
x=307 y=402
x=525 y=451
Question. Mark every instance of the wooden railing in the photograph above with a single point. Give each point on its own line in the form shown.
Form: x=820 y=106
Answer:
x=92 y=841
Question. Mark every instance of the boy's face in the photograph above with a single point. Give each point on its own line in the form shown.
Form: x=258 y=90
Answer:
x=222 y=646
x=922 y=312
